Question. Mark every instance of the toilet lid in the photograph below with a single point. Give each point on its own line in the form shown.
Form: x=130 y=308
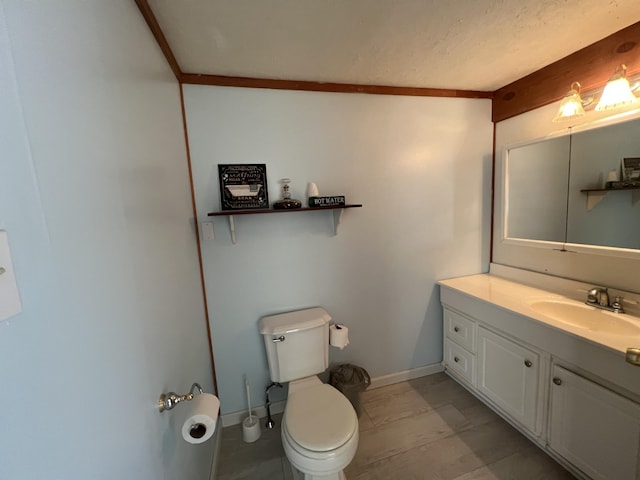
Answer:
x=320 y=418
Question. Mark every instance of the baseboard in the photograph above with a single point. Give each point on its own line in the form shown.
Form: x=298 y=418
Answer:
x=235 y=418
x=405 y=375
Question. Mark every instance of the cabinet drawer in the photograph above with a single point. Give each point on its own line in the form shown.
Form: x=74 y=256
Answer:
x=461 y=330
x=460 y=361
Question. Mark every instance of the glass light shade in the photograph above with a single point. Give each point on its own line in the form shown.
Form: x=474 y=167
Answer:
x=617 y=92
x=571 y=105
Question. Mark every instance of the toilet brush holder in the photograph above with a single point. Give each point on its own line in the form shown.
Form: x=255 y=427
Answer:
x=251 y=428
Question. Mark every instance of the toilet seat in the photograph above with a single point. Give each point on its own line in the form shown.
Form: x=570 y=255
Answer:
x=319 y=419
x=308 y=415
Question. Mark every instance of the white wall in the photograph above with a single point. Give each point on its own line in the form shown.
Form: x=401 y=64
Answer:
x=420 y=166
x=95 y=197
x=597 y=269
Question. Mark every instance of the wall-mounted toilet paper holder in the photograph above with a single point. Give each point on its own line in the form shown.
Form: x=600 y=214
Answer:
x=169 y=400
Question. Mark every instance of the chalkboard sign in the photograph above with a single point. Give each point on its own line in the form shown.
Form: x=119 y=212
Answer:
x=243 y=187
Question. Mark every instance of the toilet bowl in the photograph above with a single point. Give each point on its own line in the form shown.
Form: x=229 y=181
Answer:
x=319 y=430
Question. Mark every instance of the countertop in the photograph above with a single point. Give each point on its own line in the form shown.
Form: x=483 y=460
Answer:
x=518 y=298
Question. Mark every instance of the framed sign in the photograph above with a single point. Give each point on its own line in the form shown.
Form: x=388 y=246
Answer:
x=243 y=187
x=631 y=169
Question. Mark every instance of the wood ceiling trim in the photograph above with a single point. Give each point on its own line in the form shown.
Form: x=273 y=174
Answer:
x=152 y=21
x=592 y=67
x=198 y=243
x=248 y=82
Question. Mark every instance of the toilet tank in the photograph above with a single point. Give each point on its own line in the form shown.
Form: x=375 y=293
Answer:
x=297 y=343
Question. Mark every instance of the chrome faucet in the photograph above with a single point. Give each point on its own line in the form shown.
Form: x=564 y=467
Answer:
x=599 y=297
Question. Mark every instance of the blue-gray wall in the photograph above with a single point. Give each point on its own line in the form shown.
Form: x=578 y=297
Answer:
x=420 y=166
x=94 y=195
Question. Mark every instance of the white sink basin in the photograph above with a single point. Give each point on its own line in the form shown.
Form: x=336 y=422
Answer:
x=590 y=318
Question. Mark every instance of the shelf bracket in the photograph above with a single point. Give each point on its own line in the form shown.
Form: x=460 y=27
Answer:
x=594 y=198
x=232 y=229
x=337 y=218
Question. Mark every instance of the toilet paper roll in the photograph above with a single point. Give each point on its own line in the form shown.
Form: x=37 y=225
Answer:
x=338 y=336
x=201 y=418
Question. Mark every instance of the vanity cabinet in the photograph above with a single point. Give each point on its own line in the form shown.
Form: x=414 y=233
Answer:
x=594 y=428
x=503 y=371
x=508 y=375
x=576 y=399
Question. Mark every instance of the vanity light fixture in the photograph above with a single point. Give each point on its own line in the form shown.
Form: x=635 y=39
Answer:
x=572 y=105
x=617 y=92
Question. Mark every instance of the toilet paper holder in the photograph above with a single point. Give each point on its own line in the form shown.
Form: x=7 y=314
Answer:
x=171 y=399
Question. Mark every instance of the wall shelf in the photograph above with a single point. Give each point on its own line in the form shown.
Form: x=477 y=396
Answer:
x=595 y=195
x=337 y=215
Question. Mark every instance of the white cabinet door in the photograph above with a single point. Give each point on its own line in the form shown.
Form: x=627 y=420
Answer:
x=595 y=429
x=508 y=376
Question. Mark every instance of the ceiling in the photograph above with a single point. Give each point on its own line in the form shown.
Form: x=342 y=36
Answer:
x=455 y=44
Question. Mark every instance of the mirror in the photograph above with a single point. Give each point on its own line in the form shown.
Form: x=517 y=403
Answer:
x=536 y=190
x=556 y=190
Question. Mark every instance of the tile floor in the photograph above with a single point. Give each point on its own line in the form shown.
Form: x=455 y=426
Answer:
x=427 y=428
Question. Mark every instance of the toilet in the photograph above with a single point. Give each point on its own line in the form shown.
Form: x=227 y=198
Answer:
x=319 y=425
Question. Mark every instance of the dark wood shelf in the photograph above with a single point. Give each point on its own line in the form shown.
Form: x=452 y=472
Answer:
x=587 y=190
x=337 y=214
x=227 y=213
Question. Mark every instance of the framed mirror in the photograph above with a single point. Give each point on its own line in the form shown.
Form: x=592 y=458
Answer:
x=571 y=192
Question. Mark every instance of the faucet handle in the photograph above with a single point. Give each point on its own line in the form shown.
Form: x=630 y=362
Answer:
x=617 y=305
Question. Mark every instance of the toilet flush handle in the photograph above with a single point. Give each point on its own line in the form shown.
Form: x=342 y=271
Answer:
x=278 y=339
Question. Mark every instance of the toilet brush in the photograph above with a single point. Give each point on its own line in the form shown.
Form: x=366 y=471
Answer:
x=246 y=386
x=250 y=425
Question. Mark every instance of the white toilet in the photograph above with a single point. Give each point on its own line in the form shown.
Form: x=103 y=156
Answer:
x=319 y=425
